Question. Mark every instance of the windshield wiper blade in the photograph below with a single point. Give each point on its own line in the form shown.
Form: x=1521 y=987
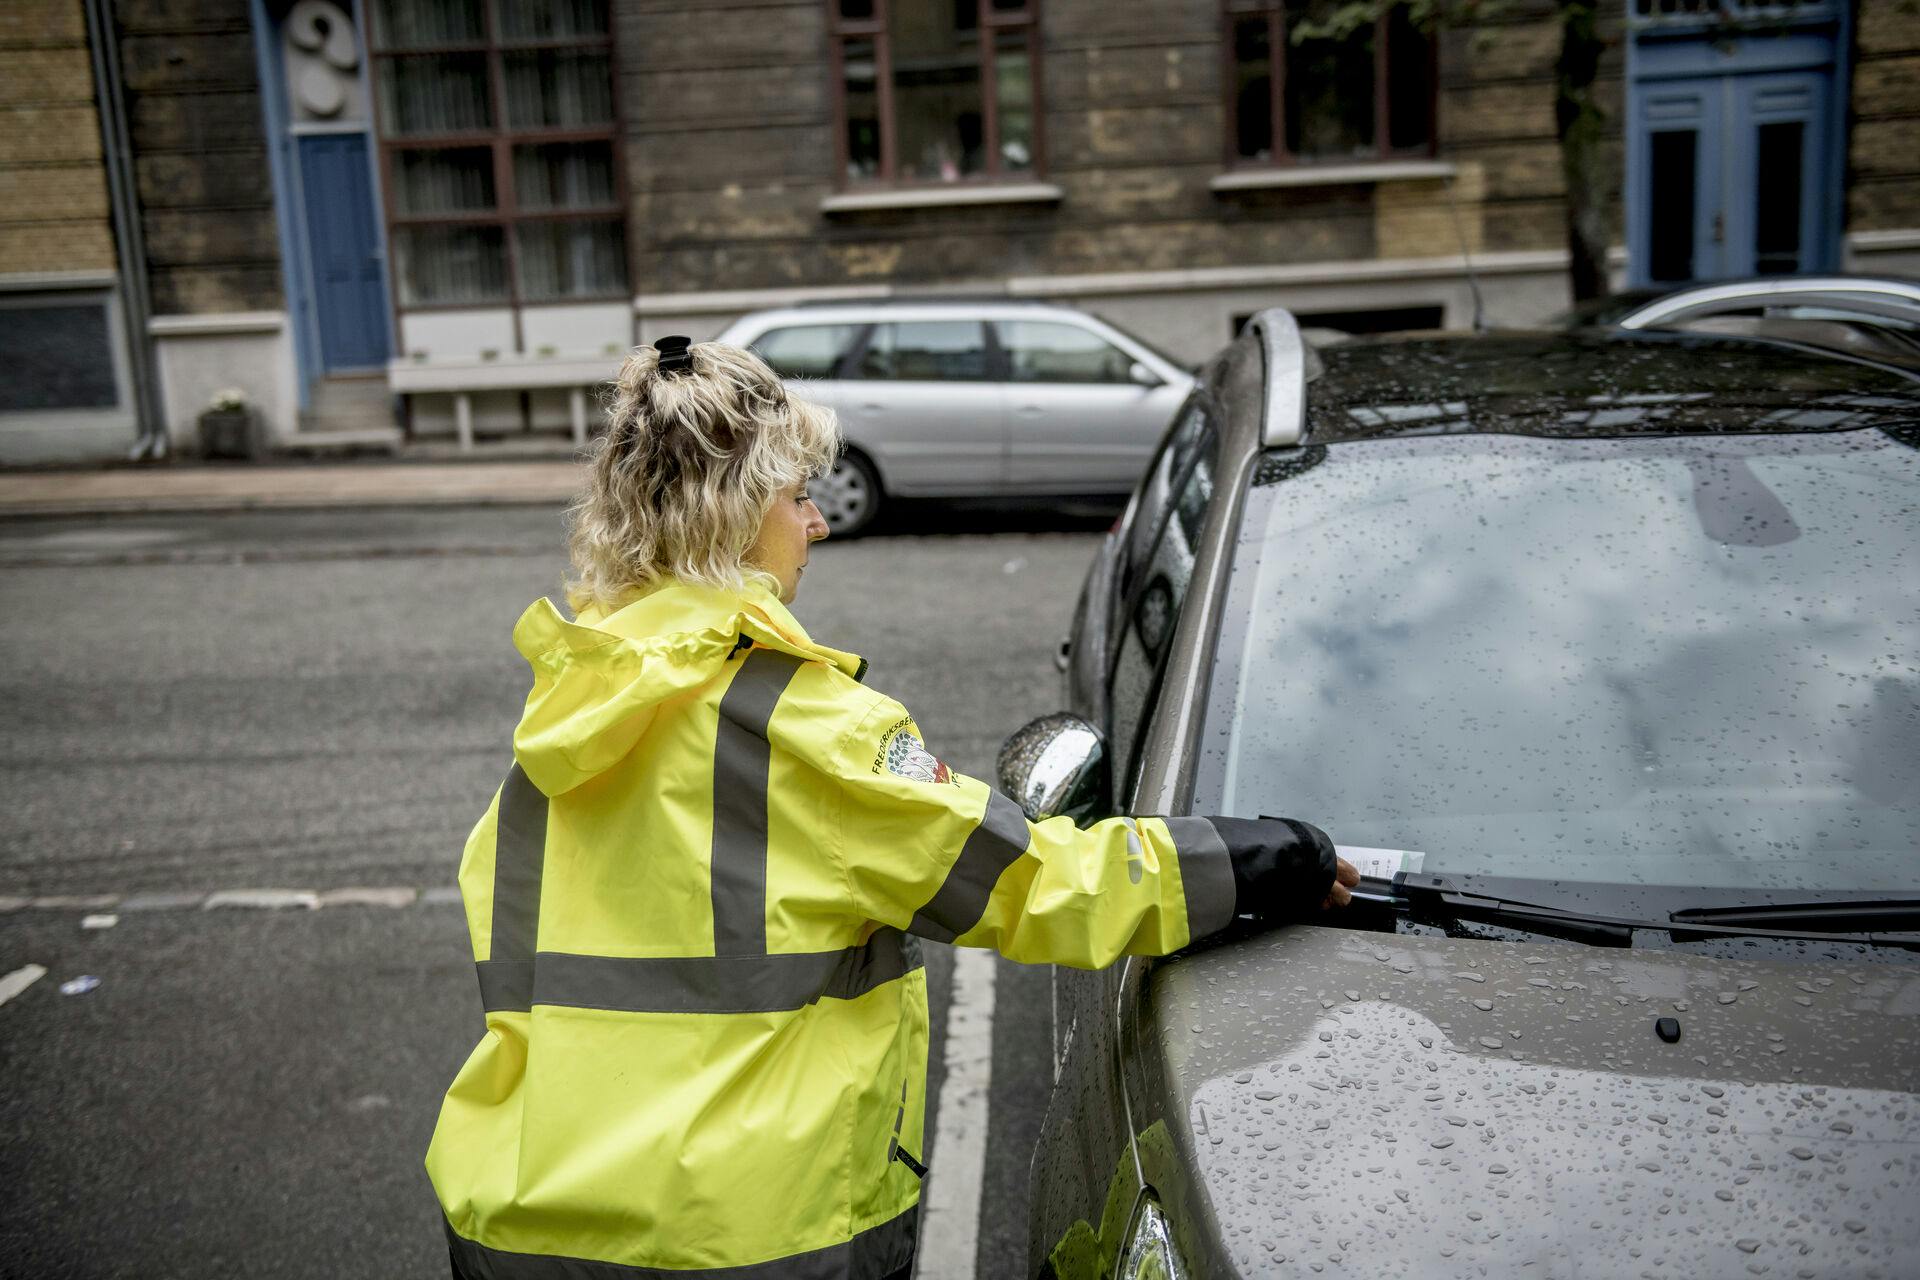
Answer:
x=1433 y=897
x=1846 y=915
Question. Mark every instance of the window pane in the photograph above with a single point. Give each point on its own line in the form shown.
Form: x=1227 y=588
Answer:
x=1670 y=204
x=936 y=90
x=413 y=24
x=806 y=351
x=550 y=19
x=557 y=89
x=563 y=175
x=1040 y=352
x=1013 y=92
x=429 y=94
x=452 y=181
x=1329 y=92
x=856 y=10
x=930 y=351
x=1776 y=238
x=1409 y=85
x=58 y=356
x=571 y=260
x=861 y=69
x=1252 y=89
x=450 y=265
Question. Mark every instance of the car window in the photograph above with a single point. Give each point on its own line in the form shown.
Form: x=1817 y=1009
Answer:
x=1041 y=351
x=1150 y=617
x=806 y=350
x=1191 y=434
x=1669 y=661
x=926 y=351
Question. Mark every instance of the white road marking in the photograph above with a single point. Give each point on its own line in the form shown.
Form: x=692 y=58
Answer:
x=19 y=980
x=950 y=1217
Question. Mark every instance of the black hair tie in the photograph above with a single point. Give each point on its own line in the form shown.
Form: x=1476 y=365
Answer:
x=676 y=355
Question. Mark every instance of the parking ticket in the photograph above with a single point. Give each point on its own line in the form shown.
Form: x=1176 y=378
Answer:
x=1381 y=864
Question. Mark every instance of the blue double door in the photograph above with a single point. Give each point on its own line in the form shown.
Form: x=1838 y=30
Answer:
x=343 y=248
x=1734 y=173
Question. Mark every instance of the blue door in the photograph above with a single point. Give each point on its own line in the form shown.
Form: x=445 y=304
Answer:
x=1776 y=222
x=349 y=293
x=1682 y=225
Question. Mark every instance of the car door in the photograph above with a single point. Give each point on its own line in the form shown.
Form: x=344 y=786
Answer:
x=1078 y=420
x=919 y=393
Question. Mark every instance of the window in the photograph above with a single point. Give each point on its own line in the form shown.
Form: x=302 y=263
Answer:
x=498 y=147
x=1365 y=96
x=806 y=351
x=926 y=351
x=1045 y=352
x=58 y=353
x=934 y=91
x=1154 y=606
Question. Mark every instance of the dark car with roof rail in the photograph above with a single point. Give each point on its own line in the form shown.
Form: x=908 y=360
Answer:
x=1599 y=651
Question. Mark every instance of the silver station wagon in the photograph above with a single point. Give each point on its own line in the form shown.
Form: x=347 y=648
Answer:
x=969 y=398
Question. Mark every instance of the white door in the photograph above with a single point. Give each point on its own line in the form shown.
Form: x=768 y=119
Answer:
x=1077 y=419
x=919 y=399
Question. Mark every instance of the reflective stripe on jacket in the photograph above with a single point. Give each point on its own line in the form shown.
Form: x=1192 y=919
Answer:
x=693 y=904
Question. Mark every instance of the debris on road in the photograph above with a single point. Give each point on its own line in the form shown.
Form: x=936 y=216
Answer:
x=79 y=986
x=19 y=980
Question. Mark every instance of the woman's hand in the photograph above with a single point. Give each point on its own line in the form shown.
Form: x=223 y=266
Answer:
x=1345 y=876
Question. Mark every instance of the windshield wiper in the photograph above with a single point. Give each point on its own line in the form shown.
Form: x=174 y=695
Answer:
x=1845 y=915
x=1892 y=922
x=1433 y=898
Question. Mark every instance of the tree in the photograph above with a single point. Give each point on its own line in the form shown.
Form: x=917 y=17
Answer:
x=1579 y=122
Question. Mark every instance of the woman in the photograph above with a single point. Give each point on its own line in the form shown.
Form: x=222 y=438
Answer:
x=695 y=898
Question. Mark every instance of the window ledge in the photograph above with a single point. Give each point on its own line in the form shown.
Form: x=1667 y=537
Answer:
x=1327 y=175
x=941 y=197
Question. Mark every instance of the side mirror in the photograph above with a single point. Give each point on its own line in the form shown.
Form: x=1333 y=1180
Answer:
x=1057 y=765
x=1141 y=376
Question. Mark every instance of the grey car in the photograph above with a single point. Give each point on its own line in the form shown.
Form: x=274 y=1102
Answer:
x=970 y=398
x=1601 y=652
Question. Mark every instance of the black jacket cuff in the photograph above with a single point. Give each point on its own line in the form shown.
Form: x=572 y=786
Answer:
x=1281 y=867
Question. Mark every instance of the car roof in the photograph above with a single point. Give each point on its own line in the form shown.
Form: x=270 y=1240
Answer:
x=1595 y=383
x=939 y=308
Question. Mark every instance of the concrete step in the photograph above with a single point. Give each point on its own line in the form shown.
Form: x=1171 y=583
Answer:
x=342 y=440
x=355 y=394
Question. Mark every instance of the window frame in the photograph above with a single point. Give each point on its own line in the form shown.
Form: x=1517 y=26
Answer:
x=991 y=22
x=1275 y=12
x=501 y=139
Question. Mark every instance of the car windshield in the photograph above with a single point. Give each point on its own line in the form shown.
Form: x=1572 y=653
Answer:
x=1690 y=660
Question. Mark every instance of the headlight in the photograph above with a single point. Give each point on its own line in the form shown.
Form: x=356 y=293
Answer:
x=1149 y=1252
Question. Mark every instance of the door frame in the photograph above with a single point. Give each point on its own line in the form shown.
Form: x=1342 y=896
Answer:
x=1664 y=48
x=289 y=193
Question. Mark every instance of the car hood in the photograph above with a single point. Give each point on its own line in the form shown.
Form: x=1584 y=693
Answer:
x=1357 y=1103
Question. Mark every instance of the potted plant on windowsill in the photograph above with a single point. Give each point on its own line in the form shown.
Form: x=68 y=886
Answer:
x=229 y=427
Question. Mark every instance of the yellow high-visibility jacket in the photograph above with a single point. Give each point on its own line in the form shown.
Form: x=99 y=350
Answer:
x=691 y=904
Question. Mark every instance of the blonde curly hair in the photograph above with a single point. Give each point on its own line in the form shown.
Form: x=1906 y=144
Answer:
x=689 y=466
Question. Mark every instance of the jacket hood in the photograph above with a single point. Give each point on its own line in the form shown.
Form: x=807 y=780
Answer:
x=598 y=679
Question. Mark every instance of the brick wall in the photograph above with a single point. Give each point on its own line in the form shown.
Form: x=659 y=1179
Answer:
x=53 y=191
x=200 y=168
x=729 y=129
x=1883 y=160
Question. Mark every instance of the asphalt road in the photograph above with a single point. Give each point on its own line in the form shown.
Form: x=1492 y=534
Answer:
x=321 y=701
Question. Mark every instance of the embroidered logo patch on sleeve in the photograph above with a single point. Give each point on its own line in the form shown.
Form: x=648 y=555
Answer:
x=904 y=755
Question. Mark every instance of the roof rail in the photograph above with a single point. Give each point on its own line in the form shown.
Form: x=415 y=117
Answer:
x=929 y=299
x=1290 y=365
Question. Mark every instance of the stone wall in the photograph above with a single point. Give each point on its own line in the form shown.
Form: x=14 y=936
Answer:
x=199 y=140
x=54 y=214
x=1883 y=160
x=729 y=129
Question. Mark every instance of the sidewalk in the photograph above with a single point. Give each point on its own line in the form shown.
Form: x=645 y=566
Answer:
x=243 y=487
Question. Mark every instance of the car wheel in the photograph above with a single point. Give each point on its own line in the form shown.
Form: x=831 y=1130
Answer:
x=849 y=495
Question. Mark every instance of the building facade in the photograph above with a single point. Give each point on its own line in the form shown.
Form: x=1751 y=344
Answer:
x=467 y=210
